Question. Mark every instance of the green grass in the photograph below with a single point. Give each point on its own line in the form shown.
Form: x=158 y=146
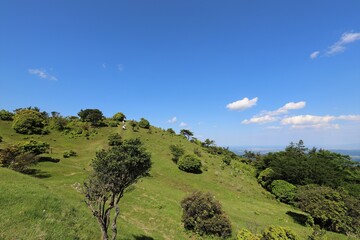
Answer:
x=49 y=206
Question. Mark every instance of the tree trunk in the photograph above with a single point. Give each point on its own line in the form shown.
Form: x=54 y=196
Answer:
x=104 y=232
x=113 y=226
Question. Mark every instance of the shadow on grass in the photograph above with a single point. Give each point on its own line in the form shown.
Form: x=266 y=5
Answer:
x=48 y=159
x=142 y=237
x=300 y=218
x=36 y=173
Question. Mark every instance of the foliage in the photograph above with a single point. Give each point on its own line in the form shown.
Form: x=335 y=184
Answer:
x=34 y=147
x=94 y=116
x=186 y=133
x=276 y=233
x=119 y=117
x=113 y=123
x=202 y=214
x=6 y=115
x=190 y=163
x=208 y=143
x=331 y=209
x=114 y=139
x=197 y=152
x=143 y=123
x=266 y=177
x=177 y=151
x=29 y=122
x=283 y=190
x=114 y=171
x=70 y=153
x=245 y=234
x=58 y=122
x=226 y=160
x=133 y=124
x=170 y=130
x=318 y=234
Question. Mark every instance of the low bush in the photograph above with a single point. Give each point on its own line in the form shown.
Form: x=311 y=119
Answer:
x=114 y=139
x=276 y=233
x=29 y=122
x=177 y=151
x=283 y=190
x=6 y=115
x=70 y=153
x=202 y=214
x=190 y=164
x=266 y=177
x=143 y=123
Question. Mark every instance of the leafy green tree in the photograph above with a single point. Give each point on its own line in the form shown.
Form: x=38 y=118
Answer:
x=177 y=151
x=29 y=122
x=170 y=130
x=202 y=214
x=94 y=116
x=143 y=123
x=283 y=190
x=190 y=164
x=186 y=133
x=276 y=233
x=331 y=209
x=114 y=171
x=133 y=125
x=119 y=117
x=114 y=139
x=6 y=115
x=208 y=143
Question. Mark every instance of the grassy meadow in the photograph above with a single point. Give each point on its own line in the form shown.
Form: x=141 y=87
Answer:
x=48 y=204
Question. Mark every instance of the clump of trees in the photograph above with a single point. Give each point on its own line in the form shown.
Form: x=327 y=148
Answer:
x=6 y=115
x=119 y=117
x=21 y=156
x=202 y=214
x=190 y=164
x=28 y=121
x=143 y=123
x=115 y=170
x=94 y=116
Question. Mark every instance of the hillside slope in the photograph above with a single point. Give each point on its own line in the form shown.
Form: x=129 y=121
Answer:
x=48 y=204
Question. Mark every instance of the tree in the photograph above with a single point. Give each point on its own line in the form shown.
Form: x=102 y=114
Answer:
x=190 y=163
x=114 y=171
x=94 y=116
x=143 y=123
x=202 y=214
x=29 y=122
x=186 y=133
x=119 y=117
x=133 y=124
x=6 y=115
x=177 y=151
x=170 y=130
x=208 y=143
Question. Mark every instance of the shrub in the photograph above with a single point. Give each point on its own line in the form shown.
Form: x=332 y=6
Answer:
x=190 y=164
x=177 y=151
x=114 y=139
x=197 y=152
x=70 y=153
x=275 y=233
x=170 y=130
x=6 y=115
x=143 y=123
x=29 y=122
x=226 y=160
x=202 y=214
x=113 y=123
x=283 y=190
x=266 y=177
x=94 y=116
x=34 y=147
x=119 y=117
x=245 y=234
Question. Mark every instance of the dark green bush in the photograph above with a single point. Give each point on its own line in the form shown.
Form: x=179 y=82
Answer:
x=202 y=214
x=119 y=117
x=34 y=147
x=113 y=123
x=266 y=177
x=6 y=115
x=143 y=123
x=114 y=139
x=276 y=233
x=283 y=190
x=226 y=160
x=190 y=164
x=70 y=153
x=29 y=122
x=170 y=130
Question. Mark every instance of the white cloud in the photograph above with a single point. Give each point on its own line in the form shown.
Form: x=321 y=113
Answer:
x=242 y=104
x=274 y=127
x=317 y=126
x=316 y=120
x=182 y=124
x=349 y=117
x=346 y=38
x=42 y=74
x=314 y=54
x=120 y=67
x=172 y=120
x=285 y=109
x=260 y=120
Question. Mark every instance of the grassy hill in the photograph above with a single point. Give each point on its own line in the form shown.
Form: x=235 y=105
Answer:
x=48 y=205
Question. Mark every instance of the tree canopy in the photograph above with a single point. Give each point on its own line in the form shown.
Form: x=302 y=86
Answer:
x=94 y=116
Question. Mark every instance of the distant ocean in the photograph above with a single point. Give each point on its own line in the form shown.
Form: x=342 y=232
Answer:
x=354 y=153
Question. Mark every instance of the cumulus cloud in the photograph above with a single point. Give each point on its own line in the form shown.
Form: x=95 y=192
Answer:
x=274 y=127
x=312 y=121
x=42 y=74
x=340 y=46
x=172 y=120
x=314 y=54
x=182 y=124
x=260 y=120
x=242 y=104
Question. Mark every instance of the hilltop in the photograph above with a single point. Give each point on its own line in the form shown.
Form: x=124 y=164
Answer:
x=47 y=204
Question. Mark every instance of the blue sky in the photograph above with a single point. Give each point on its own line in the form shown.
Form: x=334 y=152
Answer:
x=239 y=72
